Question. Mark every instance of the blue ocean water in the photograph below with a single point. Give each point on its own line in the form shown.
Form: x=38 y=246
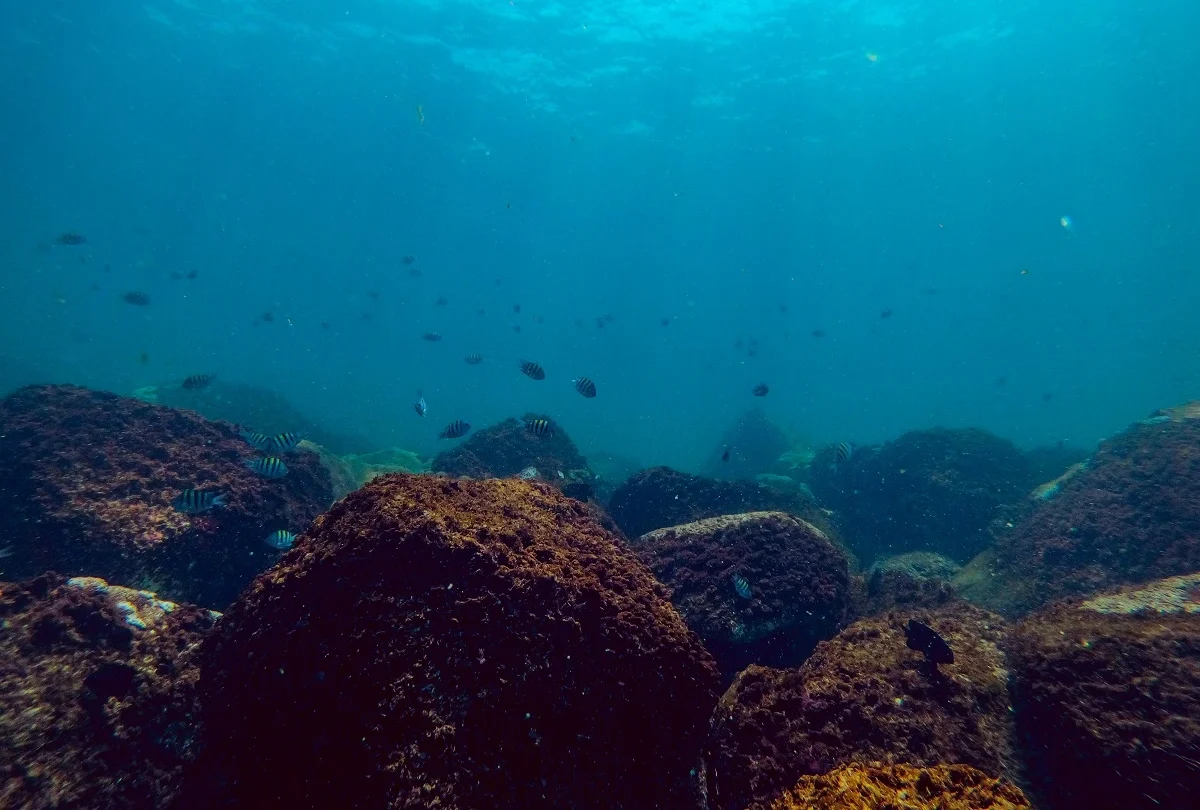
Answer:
x=1014 y=182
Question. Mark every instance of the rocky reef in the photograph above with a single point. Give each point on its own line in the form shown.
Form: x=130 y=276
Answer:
x=509 y=449
x=1129 y=515
x=755 y=444
x=1107 y=693
x=438 y=642
x=86 y=485
x=796 y=585
x=97 y=694
x=929 y=490
x=348 y=473
x=916 y=580
x=865 y=697
x=660 y=497
x=901 y=787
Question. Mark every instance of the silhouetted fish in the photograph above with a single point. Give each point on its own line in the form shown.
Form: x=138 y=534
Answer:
x=420 y=407
x=269 y=467
x=760 y=390
x=725 y=455
x=532 y=370
x=473 y=359
x=198 y=381
x=194 y=501
x=70 y=238
x=432 y=337
x=138 y=299
x=281 y=539
x=409 y=259
x=540 y=427
x=585 y=387
x=455 y=430
x=926 y=640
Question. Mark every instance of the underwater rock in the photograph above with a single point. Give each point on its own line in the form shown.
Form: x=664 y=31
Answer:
x=918 y=579
x=507 y=448
x=348 y=473
x=86 y=484
x=1107 y=696
x=97 y=694
x=902 y=787
x=866 y=697
x=1130 y=515
x=929 y=490
x=1048 y=463
x=439 y=642
x=755 y=444
x=660 y=497
x=798 y=582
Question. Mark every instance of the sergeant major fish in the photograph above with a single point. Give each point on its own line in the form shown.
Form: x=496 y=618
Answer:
x=269 y=467
x=195 y=501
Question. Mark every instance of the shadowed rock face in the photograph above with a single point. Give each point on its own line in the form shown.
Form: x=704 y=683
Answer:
x=798 y=581
x=437 y=642
x=1131 y=515
x=938 y=787
x=97 y=694
x=87 y=480
x=508 y=448
x=866 y=697
x=929 y=490
x=660 y=497
x=1107 y=694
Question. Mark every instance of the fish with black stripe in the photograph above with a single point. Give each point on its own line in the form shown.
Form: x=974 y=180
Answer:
x=585 y=387
x=539 y=427
x=259 y=441
x=286 y=442
x=532 y=370
x=269 y=467
x=198 y=381
x=455 y=430
x=280 y=539
x=195 y=501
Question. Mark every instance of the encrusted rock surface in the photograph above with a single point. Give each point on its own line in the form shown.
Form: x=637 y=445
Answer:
x=438 y=642
x=929 y=490
x=866 y=697
x=901 y=787
x=1131 y=515
x=86 y=484
x=507 y=448
x=660 y=497
x=1107 y=694
x=97 y=694
x=798 y=579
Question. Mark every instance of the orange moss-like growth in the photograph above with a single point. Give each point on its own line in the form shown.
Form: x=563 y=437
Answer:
x=866 y=697
x=901 y=787
x=441 y=642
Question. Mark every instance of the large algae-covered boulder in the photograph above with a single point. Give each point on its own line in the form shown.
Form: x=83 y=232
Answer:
x=437 y=642
x=1107 y=694
x=86 y=485
x=761 y=587
x=901 y=787
x=866 y=697
x=929 y=490
x=97 y=694
x=1131 y=514
x=508 y=448
x=660 y=497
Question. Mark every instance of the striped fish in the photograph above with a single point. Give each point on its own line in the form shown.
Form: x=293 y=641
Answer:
x=286 y=442
x=269 y=467
x=455 y=430
x=195 y=501
x=842 y=452
x=259 y=441
x=540 y=427
x=741 y=586
x=197 y=381
x=432 y=337
x=473 y=359
x=585 y=386
x=281 y=539
x=532 y=370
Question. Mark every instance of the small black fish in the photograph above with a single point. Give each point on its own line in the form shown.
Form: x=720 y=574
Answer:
x=441 y=301
x=432 y=337
x=420 y=407
x=585 y=387
x=818 y=333
x=517 y=328
x=267 y=317
x=286 y=442
x=194 y=501
x=925 y=639
x=540 y=427
x=455 y=430
x=70 y=238
x=532 y=370
x=198 y=381
x=473 y=359
x=725 y=455
x=138 y=299
x=192 y=275
x=665 y=321
x=409 y=259
x=760 y=390
x=883 y=316
x=269 y=467
x=517 y=308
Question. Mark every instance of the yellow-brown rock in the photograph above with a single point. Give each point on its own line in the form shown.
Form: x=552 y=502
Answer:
x=901 y=787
